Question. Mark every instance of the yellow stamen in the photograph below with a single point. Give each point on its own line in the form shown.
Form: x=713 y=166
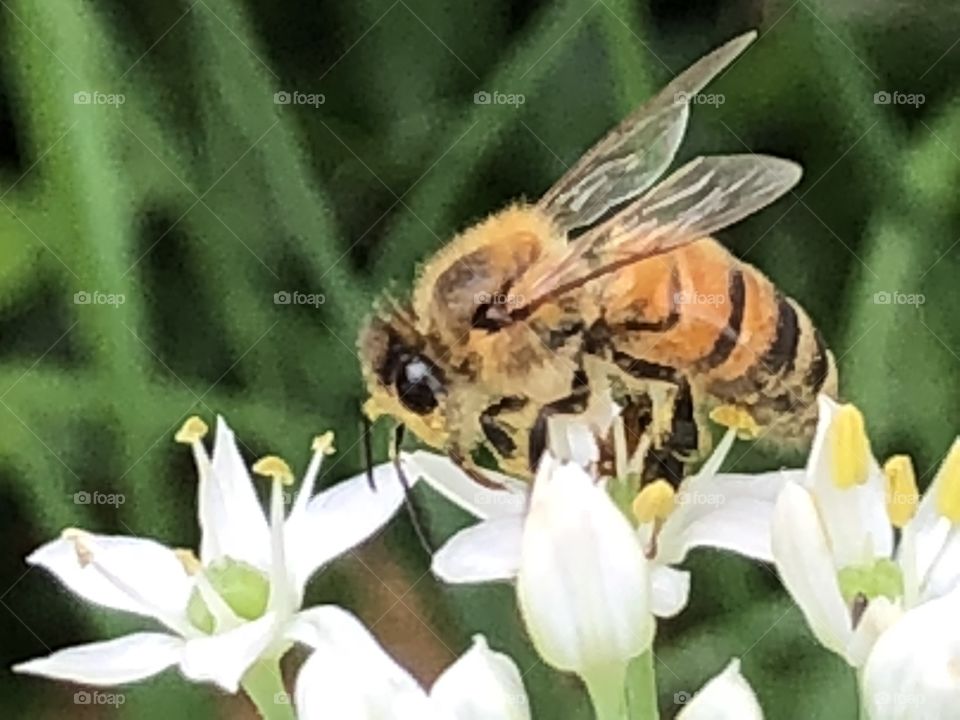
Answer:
x=324 y=443
x=191 y=563
x=80 y=539
x=948 y=493
x=850 y=448
x=191 y=431
x=654 y=502
x=902 y=492
x=736 y=418
x=275 y=468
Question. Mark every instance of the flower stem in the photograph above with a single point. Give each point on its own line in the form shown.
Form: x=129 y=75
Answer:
x=264 y=684
x=605 y=686
x=861 y=705
x=641 y=689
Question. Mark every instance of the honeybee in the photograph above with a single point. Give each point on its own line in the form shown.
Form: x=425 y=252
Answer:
x=609 y=281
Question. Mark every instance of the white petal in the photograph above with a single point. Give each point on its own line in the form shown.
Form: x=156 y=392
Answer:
x=880 y=615
x=485 y=552
x=584 y=584
x=943 y=575
x=929 y=549
x=349 y=675
x=232 y=521
x=855 y=519
x=481 y=685
x=730 y=512
x=728 y=696
x=223 y=658
x=671 y=589
x=338 y=519
x=912 y=673
x=130 y=574
x=113 y=662
x=806 y=567
x=446 y=478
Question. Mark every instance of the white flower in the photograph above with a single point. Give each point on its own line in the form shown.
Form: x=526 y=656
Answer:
x=913 y=672
x=833 y=535
x=588 y=582
x=725 y=511
x=238 y=601
x=583 y=584
x=350 y=676
x=728 y=696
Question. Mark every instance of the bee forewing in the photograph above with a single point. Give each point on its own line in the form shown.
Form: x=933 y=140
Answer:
x=633 y=155
x=705 y=195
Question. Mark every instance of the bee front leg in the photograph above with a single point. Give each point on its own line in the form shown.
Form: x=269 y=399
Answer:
x=574 y=403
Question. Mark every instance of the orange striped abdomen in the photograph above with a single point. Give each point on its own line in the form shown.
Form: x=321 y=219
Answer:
x=724 y=325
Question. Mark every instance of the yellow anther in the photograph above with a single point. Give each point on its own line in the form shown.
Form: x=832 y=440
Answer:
x=275 y=468
x=849 y=448
x=948 y=492
x=191 y=431
x=189 y=560
x=736 y=418
x=654 y=502
x=324 y=443
x=902 y=495
x=81 y=544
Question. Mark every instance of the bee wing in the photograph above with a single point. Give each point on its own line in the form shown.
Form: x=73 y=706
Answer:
x=633 y=155
x=705 y=195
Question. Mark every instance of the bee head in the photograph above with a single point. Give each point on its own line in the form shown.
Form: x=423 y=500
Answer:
x=403 y=380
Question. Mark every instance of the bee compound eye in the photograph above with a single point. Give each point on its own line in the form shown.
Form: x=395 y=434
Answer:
x=418 y=384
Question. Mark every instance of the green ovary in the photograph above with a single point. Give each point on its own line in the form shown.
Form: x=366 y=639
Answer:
x=243 y=588
x=883 y=578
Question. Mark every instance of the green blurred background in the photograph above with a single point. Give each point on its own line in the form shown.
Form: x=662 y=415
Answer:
x=199 y=197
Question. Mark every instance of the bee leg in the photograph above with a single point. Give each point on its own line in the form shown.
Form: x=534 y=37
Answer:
x=572 y=404
x=677 y=440
x=474 y=472
x=497 y=433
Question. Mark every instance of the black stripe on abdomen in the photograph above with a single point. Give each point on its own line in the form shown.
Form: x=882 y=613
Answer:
x=783 y=351
x=728 y=337
x=819 y=367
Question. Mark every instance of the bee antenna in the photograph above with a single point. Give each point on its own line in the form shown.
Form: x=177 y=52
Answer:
x=366 y=430
x=413 y=512
x=400 y=313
